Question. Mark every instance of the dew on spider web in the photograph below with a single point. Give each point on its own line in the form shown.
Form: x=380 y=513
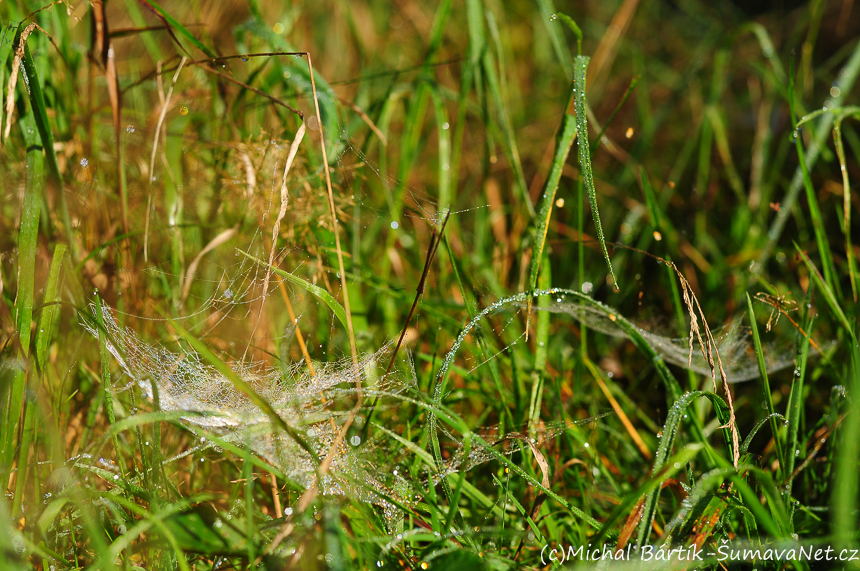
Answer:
x=305 y=399
x=302 y=398
x=733 y=342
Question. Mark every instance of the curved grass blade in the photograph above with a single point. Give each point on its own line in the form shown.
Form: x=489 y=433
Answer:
x=811 y=198
x=670 y=429
x=567 y=20
x=322 y=294
x=581 y=67
x=752 y=434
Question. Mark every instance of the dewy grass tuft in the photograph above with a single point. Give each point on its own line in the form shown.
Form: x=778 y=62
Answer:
x=651 y=343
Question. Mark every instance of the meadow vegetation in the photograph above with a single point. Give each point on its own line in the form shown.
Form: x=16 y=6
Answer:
x=410 y=285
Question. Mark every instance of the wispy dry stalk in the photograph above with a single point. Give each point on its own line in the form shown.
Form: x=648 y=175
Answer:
x=709 y=351
x=708 y=345
x=218 y=240
x=276 y=227
x=13 y=78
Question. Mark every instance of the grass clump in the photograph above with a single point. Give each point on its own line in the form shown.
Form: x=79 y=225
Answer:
x=294 y=286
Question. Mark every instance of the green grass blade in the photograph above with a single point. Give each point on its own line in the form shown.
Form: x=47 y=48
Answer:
x=107 y=389
x=847 y=78
x=794 y=412
x=566 y=135
x=752 y=433
x=845 y=493
x=767 y=48
x=40 y=114
x=721 y=137
x=559 y=46
x=670 y=430
x=443 y=134
x=765 y=385
x=511 y=147
x=37 y=100
x=49 y=311
x=829 y=297
x=173 y=24
x=846 y=204
x=577 y=31
x=627 y=94
x=581 y=67
x=843 y=501
x=650 y=487
x=811 y=198
x=320 y=293
x=27 y=244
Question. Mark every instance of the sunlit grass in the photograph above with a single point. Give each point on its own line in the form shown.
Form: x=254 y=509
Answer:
x=459 y=341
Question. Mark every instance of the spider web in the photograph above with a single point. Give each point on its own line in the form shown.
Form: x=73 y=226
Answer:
x=303 y=400
x=732 y=340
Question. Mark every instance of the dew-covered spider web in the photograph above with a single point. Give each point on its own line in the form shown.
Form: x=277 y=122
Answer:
x=733 y=340
x=186 y=384
x=304 y=398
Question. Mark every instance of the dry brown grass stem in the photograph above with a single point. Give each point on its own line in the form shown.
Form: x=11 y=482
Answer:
x=13 y=78
x=622 y=416
x=276 y=227
x=367 y=120
x=709 y=351
x=218 y=240
x=708 y=344
x=310 y=494
x=300 y=339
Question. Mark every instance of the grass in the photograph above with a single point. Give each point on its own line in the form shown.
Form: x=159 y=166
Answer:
x=462 y=410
